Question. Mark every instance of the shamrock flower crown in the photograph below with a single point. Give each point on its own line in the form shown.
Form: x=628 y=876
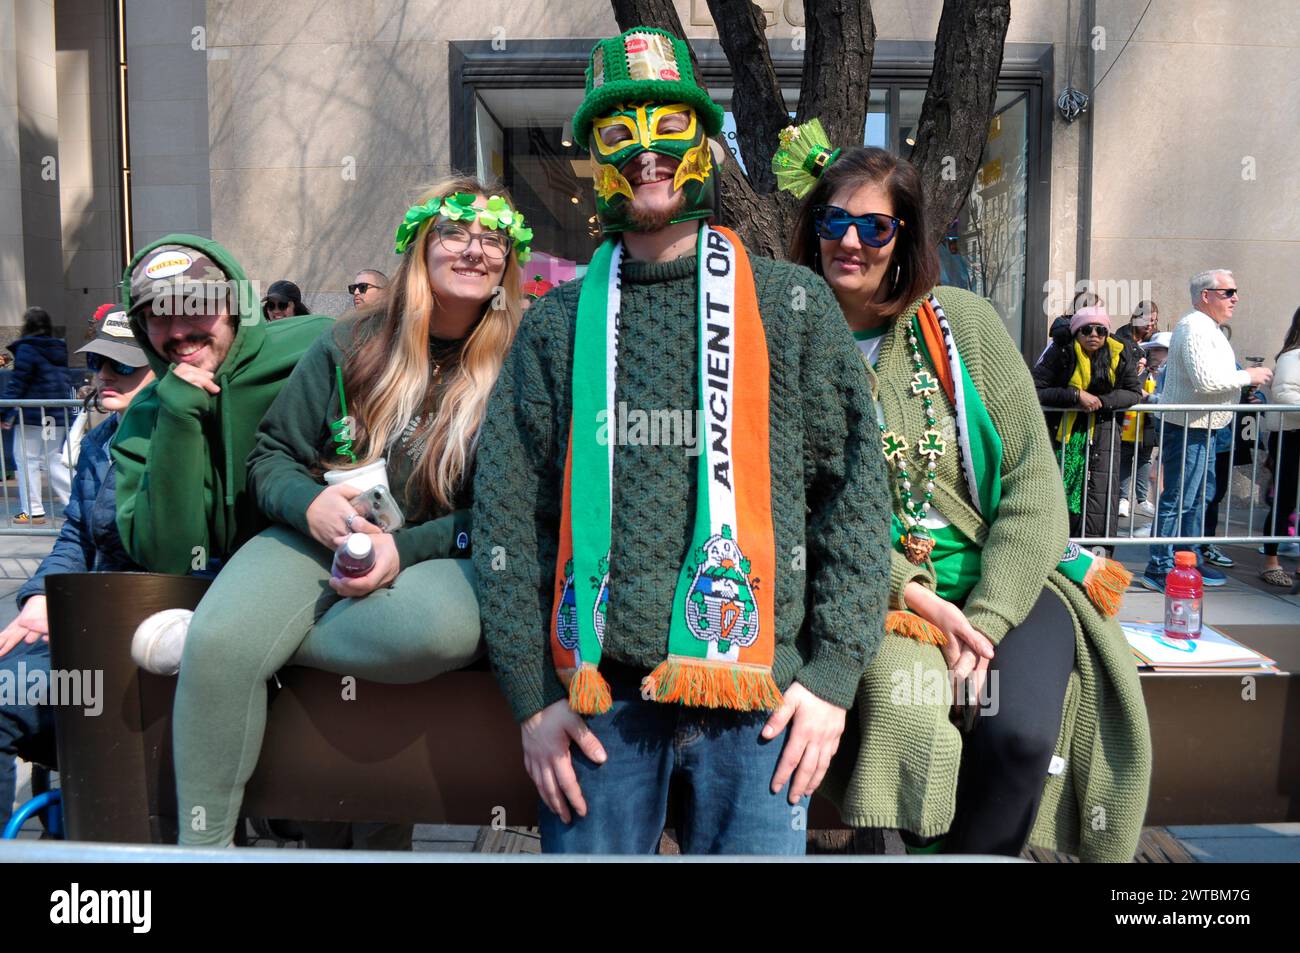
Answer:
x=459 y=207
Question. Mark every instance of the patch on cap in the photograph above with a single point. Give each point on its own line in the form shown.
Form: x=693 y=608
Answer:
x=116 y=325
x=167 y=263
x=651 y=56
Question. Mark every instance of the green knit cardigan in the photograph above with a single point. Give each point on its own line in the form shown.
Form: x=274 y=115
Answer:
x=898 y=761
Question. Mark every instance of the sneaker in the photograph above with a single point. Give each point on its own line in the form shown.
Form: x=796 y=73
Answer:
x=1146 y=508
x=1211 y=577
x=160 y=639
x=1217 y=556
x=1153 y=581
x=22 y=519
x=1123 y=507
x=1288 y=549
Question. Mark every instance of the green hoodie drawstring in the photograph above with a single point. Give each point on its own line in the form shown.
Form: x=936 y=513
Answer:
x=226 y=437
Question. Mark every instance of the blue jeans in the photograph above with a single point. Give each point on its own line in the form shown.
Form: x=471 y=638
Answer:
x=726 y=767
x=1194 y=484
x=25 y=730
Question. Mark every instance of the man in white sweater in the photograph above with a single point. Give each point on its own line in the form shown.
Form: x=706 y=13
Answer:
x=1201 y=370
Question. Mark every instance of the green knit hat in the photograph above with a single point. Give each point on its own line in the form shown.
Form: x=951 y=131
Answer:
x=642 y=65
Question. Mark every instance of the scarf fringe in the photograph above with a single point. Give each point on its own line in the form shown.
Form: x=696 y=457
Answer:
x=589 y=693
x=1105 y=583
x=705 y=684
x=909 y=625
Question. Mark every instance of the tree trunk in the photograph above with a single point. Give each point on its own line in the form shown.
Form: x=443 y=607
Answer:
x=954 y=124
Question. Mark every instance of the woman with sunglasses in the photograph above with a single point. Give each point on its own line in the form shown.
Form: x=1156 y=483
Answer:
x=984 y=592
x=88 y=542
x=407 y=382
x=1094 y=375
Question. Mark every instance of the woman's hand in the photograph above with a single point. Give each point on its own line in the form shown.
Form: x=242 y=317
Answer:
x=965 y=647
x=327 y=517
x=32 y=624
x=547 y=736
x=387 y=564
x=1089 y=402
x=815 y=729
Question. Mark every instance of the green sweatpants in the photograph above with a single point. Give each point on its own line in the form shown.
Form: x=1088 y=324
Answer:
x=272 y=606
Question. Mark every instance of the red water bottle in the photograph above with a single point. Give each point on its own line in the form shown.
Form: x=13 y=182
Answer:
x=1183 y=591
x=354 y=558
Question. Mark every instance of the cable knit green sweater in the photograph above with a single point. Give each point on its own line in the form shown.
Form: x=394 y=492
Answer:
x=829 y=495
x=897 y=764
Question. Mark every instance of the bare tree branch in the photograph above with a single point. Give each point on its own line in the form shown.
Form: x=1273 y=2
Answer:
x=756 y=99
x=959 y=101
x=836 y=85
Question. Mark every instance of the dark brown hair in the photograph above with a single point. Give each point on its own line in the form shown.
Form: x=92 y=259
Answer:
x=917 y=261
x=1292 y=340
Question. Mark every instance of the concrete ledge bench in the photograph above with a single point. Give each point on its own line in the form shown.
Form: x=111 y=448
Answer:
x=447 y=751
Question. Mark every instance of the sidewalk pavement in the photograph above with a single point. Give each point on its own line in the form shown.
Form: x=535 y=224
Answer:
x=1244 y=596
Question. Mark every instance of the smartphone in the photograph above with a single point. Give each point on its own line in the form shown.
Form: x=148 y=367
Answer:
x=378 y=506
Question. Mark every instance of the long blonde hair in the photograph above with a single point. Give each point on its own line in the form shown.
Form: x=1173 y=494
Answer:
x=388 y=376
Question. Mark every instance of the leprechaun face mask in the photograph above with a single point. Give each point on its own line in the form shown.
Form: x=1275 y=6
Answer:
x=650 y=154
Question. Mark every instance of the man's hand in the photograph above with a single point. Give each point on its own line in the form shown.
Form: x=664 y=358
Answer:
x=1260 y=376
x=328 y=514
x=7 y=425
x=815 y=729
x=196 y=376
x=547 y=736
x=32 y=624
x=387 y=565
x=1089 y=402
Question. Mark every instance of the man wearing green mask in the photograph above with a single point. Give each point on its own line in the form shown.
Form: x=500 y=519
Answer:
x=699 y=609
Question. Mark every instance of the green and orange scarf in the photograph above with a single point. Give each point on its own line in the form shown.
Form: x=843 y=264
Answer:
x=721 y=639
x=979 y=448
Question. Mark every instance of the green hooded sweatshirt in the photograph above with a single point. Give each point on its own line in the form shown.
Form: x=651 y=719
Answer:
x=180 y=451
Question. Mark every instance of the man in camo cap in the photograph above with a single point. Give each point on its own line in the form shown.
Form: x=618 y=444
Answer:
x=182 y=501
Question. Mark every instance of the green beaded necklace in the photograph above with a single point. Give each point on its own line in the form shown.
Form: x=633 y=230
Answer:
x=918 y=542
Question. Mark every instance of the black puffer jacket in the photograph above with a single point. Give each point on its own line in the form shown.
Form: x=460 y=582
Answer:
x=40 y=373
x=1052 y=379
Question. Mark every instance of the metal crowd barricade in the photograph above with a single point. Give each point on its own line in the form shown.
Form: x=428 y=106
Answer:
x=57 y=417
x=1248 y=418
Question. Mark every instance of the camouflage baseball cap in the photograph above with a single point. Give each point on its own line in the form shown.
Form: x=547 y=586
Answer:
x=172 y=271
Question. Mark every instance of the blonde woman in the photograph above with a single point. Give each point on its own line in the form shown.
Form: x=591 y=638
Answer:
x=416 y=371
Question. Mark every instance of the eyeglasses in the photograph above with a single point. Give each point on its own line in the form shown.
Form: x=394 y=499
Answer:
x=361 y=287
x=275 y=305
x=1226 y=292
x=456 y=239
x=95 y=361
x=1088 y=330
x=875 y=229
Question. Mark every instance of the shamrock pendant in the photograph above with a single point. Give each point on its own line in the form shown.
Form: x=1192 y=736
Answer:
x=917 y=544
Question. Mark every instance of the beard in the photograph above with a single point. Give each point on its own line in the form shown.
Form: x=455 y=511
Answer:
x=653 y=219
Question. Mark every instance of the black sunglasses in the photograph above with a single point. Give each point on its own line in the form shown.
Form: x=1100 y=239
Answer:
x=279 y=304
x=1088 y=330
x=361 y=287
x=1226 y=292
x=875 y=229
x=95 y=361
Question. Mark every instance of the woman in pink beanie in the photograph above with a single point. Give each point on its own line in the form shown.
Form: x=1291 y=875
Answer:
x=1088 y=375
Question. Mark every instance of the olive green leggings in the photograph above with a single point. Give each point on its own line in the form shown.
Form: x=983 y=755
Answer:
x=272 y=606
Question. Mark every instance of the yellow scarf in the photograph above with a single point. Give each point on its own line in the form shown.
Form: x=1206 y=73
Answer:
x=1080 y=379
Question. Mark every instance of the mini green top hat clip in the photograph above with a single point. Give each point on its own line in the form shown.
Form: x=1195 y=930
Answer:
x=642 y=65
x=804 y=154
x=459 y=207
